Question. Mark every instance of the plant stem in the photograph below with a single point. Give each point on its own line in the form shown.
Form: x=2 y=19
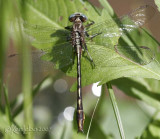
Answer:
x=116 y=111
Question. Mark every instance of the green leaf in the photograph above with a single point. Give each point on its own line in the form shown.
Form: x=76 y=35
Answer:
x=107 y=7
x=152 y=131
x=146 y=90
x=104 y=57
x=153 y=85
x=55 y=13
x=140 y=89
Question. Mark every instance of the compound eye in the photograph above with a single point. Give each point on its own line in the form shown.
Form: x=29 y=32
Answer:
x=83 y=18
x=72 y=18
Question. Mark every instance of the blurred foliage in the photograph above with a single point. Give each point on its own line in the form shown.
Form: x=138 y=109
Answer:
x=55 y=14
x=153 y=128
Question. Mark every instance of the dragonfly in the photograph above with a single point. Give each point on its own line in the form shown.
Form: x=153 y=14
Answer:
x=74 y=40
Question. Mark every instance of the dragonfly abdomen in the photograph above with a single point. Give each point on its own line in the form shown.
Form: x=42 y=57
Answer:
x=80 y=113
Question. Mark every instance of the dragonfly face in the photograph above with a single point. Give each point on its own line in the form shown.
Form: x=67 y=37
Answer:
x=77 y=17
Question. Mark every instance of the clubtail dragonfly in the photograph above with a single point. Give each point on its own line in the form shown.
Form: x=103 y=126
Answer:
x=78 y=36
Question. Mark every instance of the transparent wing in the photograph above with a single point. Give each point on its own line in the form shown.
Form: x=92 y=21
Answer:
x=126 y=24
x=39 y=65
x=141 y=55
x=45 y=34
x=119 y=56
x=60 y=56
x=108 y=31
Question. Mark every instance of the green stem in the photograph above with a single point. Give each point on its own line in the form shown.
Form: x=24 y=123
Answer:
x=27 y=88
x=26 y=78
x=116 y=111
x=7 y=105
x=4 y=6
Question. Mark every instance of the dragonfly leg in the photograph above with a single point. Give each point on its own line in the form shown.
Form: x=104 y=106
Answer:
x=94 y=35
x=86 y=49
x=68 y=28
x=90 y=24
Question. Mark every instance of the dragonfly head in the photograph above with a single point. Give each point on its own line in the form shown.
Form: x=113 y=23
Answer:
x=77 y=16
